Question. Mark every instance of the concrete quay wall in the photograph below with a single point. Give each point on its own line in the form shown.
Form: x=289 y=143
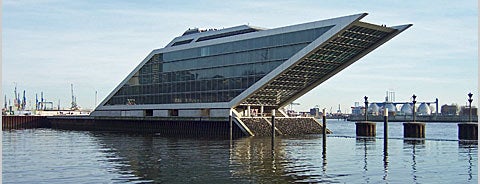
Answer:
x=205 y=127
x=196 y=127
x=24 y=122
x=172 y=127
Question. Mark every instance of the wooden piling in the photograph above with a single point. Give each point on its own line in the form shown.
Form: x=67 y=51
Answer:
x=273 y=129
x=324 y=131
x=385 y=132
x=230 y=122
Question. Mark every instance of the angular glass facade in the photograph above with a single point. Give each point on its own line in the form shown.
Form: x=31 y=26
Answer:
x=213 y=73
x=242 y=70
x=320 y=63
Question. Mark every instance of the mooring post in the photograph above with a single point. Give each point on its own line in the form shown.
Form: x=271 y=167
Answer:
x=324 y=131
x=365 y=128
x=230 y=121
x=385 y=142
x=366 y=107
x=273 y=129
x=413 y=109
x=385 y=131
x=414 y=129
x=470 y=100
x=324 y=145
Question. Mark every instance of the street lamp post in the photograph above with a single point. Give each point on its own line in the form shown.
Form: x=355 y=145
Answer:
x=468 y=130
x=470 y=106
x=366 y=107
x=414 y=101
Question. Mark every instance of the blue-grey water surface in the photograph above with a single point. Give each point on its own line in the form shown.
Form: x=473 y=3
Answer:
x=57 y=156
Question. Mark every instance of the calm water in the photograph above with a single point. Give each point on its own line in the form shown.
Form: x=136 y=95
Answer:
x=54 y=156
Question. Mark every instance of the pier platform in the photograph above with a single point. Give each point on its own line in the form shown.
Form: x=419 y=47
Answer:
x=403 y=118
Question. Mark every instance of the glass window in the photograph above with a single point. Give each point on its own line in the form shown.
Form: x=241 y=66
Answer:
x=173 y=112
x=205 y=51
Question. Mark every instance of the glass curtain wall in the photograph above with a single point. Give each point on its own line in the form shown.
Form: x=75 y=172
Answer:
x=214 y=73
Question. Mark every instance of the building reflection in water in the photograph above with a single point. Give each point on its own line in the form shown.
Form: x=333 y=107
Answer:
x=253 y=158
x=150 y=158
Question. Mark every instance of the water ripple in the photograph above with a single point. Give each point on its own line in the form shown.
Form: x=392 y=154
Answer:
x=53 y=156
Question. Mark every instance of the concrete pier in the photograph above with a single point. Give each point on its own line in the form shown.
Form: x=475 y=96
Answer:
x=366 y=128
x=468 y=131
x=414 y=130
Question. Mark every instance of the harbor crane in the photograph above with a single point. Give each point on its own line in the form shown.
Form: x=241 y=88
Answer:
x=74 y=100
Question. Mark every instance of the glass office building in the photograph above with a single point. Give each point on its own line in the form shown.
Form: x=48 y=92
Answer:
x=209 y=72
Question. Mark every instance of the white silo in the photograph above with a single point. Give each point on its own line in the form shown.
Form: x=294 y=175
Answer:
x=391 y=107
x=424 y=109
x=406 y=109
x=373 y=109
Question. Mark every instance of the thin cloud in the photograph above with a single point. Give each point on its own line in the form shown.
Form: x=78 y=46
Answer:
x=96 y=44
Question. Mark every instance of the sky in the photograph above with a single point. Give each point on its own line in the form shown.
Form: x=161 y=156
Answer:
x=50 y=44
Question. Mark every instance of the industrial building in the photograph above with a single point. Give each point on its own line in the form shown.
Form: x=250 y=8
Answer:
x=450 y=110
x=424 y=111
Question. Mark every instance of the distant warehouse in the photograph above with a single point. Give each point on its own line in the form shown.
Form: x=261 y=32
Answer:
x=246 y=70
